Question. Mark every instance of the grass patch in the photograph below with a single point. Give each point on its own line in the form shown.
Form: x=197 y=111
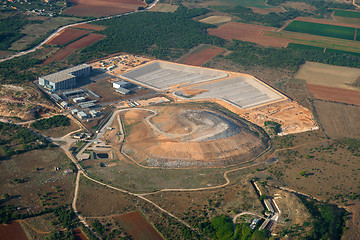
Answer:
x=320 y=49
x=321 y=29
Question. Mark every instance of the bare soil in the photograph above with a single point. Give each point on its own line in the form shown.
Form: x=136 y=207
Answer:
x=68 y=35
x=250 y=33
x=12 y=231
x=137 y=226
x=174 y=139
x=99 y=8
x=199 y=58
x=90 y=27
x=344 y=120
x=335 y=94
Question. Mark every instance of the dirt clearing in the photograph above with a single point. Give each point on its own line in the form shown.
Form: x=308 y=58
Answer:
x=250 y=33
x=138 y=227
x=164 y=7
x=334 y=94
x=344 y=120
x=68 y=35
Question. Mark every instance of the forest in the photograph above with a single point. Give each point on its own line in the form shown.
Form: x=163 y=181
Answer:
x=144 y=34
x=47 y=123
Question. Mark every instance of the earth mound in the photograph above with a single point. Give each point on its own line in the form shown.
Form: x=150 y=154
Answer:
x=175 y=137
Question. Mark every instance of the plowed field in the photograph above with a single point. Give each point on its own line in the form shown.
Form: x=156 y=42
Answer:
x=12 y=231
x=138 y=227
x=69 y=34
x=335 y=94
x=79 y=44
x=201 y=57
x=99 y=8
x=90 y=27
x=250 y=33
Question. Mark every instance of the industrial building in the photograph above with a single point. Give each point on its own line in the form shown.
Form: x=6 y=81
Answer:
x=120 y=84
x=65 y=78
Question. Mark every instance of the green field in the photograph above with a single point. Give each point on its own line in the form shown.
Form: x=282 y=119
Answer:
x=328 y=50
x=321 y=29
x=244 y=3
x=348 y=14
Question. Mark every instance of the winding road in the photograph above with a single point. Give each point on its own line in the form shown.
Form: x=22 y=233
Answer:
x=59 y=30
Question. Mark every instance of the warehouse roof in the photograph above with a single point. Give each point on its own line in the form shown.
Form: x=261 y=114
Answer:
x=64 y=74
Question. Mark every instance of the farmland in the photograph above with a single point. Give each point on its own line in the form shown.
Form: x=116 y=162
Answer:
x=137 y=226
x=321 y=29
x=90 y=27
x=83 y=42
x=100 y=8
x=163 y=7
x=347 y=14
x=66 y=36
x=201 y=55
x=344 y=120
x=335 y=94
x=248 y=32
x=328 y=75
x=12 y=231
x=216 y=19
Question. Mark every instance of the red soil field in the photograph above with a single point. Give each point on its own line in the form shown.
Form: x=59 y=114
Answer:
x=335 y=94
x=325 y=21
x=199 y=58
x=250 y=33
x=12 y=231
x=69 y=34
x=79 y=44
x=79 y=235
x=86 y=41
x=90 y=27
x=138 y=227
x=99 y=8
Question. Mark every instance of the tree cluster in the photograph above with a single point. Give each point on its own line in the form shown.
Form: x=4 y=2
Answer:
x=47 y=123
x=163 y=35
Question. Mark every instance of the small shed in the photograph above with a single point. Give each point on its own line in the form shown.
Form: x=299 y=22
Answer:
x=82 y=115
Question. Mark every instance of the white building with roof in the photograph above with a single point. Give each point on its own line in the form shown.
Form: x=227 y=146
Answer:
x=120 y=84
x=65 y=78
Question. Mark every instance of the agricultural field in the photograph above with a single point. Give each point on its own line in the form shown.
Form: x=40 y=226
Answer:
x=98 y=8
x=250 y=33
x=216 y=19
x=90 y=27
x=164 y=7
x=321 y=30
x=347 y=14
x=335 y=94
x=328 y=75
x=244 y=3
x=83 y=42
x=201 y=55
x=39 y=28
x=137 y=226
x=12 y=231
x=68 y=35
x=344 y=120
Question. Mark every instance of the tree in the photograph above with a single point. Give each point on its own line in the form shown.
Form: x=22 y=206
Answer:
x=6 y=196
x=303 y=173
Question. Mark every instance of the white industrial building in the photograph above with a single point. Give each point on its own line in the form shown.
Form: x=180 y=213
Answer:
x=120 y=84
x=65 y=78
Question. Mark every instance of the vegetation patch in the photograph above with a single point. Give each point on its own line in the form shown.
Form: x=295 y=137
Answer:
x=319 y=29
x=348 y=14
x=52 y=122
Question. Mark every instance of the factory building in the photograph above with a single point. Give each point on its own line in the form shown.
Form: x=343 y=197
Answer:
x=65 y=78
x=120 y=84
